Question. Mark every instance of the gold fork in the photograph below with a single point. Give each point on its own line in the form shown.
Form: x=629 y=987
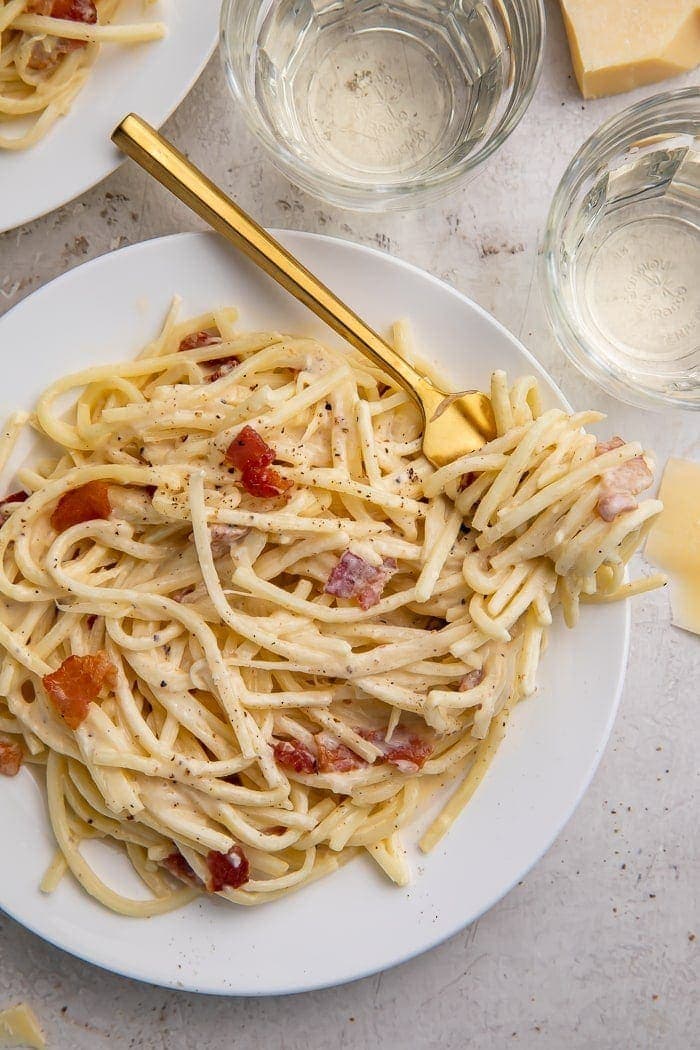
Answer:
x=455 y=424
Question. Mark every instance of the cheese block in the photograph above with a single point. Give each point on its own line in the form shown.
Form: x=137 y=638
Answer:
x=19 y=1027
x=674 y=541
x=617 y=45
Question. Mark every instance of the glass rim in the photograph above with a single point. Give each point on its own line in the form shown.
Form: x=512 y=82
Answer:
x=615 y=135
x=344 y=192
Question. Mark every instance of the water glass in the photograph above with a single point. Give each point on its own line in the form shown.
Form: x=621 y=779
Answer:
x=381 y=103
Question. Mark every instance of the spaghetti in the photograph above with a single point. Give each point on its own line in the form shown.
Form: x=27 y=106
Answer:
x=248 y=626
x=47 y=48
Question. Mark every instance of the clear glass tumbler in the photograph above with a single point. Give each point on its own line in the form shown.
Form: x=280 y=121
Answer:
x=621 y=255
x=373 y=104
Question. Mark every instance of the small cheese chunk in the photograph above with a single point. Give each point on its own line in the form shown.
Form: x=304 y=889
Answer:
x=617 y=45
x=19 y=1027
x=674 y=541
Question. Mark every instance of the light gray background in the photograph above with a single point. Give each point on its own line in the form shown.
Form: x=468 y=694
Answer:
x=596 y=948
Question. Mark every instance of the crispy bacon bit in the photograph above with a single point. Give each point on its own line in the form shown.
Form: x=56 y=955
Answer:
x=179 y=867
x=223 y=538
x=353 y=577
x=46 y=54
x=406 y=750
x=471 y=679
x=75 y=10
x=76 y=683
x=223 y=367
x=227 y=869
x=248 y=449
x=266 y=483
x=42 y=57
x=6 y=504
x=622 y=483
x=253 y=456
x=609 y=445
x=614 y=503
x=196 y=340
x=10 y=758
x=334 y=757
x=292 y=754
x=86 y=503
x=466 y=480
x=633 y=476
x=71 y=10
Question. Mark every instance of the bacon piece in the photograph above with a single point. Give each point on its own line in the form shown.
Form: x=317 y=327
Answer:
x=622 y=483
x=75 y=10
x=471 y=679
x=46 y=54
x=632 y=476
x=353 y=577
x=43 y=57
x=609 y=445
x=406 y=750
x=86 y=503
x=6 y=507
x=614 y=503
x=10 y=758
x=179 y=867
x=196 y=340
x=227 y=869
x=223 y=367
x=292 y=754
x=223 y=538
x=334 y=757
x=248 y=449
x=76 y=683
x=253 y=456
x=71 y=10
x=266 y=483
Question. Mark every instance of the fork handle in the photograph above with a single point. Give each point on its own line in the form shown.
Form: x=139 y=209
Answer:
x=161 y=160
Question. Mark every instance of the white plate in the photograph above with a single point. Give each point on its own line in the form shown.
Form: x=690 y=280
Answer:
x=353 y=923
x=150 y=79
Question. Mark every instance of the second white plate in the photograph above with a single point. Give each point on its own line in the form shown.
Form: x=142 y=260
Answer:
x=149 y=79
x=353 y=923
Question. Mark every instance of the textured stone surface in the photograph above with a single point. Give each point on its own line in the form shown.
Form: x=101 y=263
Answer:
x=596 y=947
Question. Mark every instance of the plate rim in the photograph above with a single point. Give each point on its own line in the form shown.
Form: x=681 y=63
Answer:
x=119 y=158
x=305 y=985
